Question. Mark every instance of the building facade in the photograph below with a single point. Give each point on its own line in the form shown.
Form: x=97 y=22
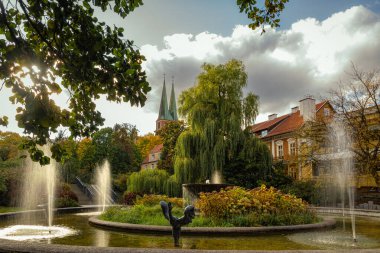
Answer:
x=281 y=134
x=151 y=161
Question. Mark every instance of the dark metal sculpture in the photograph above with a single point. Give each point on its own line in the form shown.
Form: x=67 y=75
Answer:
x=175 y=222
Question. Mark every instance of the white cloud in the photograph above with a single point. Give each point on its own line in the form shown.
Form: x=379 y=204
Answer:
x=283 y=66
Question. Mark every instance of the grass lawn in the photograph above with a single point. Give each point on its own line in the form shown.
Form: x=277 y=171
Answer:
x=7 y=209
x=152 y=215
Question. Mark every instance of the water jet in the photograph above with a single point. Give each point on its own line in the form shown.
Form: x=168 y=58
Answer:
x=103 y=185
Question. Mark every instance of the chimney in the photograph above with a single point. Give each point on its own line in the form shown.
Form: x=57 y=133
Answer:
x=295 y=109
x=272 y=116
x=307 y=108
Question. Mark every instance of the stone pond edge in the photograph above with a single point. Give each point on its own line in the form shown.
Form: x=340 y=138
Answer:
x=34 y=247
x=127 y=227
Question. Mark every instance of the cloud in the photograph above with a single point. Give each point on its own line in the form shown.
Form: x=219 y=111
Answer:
x=282 y=66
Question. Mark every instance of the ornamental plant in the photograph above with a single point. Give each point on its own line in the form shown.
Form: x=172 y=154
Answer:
x=152 y=200
x=237 y=201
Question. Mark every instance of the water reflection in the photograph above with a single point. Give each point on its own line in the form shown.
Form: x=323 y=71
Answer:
x=102 y=238
x=368 y=231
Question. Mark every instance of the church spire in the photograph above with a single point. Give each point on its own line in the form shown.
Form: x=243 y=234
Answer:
x=164 y=112
x=172 y=103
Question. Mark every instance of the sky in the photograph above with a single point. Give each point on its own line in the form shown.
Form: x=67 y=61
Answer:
x=310 y=53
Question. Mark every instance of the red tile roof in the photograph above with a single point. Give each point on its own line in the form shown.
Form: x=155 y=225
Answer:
x=156 y=149
x=267 y=124
x=319 y=105
x=289 y=123
x=146 y=160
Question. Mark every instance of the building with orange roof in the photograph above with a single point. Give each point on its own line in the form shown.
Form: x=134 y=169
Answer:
x=280 y=134
x=151 y=160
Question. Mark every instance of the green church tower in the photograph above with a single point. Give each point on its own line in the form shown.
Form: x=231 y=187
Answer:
x=173 y=104
x=166 y=113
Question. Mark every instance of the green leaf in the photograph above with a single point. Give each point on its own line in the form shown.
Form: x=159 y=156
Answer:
x=4 y=121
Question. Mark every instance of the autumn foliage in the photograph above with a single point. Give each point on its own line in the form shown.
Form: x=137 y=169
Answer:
x=235 y=201
x=153 y=199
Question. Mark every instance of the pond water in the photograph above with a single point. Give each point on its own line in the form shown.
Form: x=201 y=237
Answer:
x=368 y=233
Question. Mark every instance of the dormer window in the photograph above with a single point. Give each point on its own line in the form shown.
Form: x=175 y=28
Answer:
x=264 y=133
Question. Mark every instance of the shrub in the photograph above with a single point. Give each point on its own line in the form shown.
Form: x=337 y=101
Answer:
x=152 y=199
x=233 y=206
x=65 y=202
x=64 y=191
x=65 y=197
x=309 y=191
x=236 y=201
x=120 y=182
x=129 y=198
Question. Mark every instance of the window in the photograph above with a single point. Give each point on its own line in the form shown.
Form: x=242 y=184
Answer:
x=153 y=156
x=264 y=133
x=326 y=111
x=292 y=148
x=315 y=170
x=292 y=171
x=280 y=151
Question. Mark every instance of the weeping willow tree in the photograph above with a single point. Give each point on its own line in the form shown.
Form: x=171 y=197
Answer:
x=154 y=182
x=216 y=111
x=251 y=164
x=148 y=182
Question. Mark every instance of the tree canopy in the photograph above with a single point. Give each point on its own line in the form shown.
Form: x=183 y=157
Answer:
x=50 y=47
x=261 y=16
x=147 y=142
x=358 y=103
x=169 y=133
x=9 y=143
x=216 y=111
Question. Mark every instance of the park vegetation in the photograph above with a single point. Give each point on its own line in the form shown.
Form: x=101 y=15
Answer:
x=357 y=102
x=79 y=159
x=49 y=48
x=233 y=206
x=216 y=113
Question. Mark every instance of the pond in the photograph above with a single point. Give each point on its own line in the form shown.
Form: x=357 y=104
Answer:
x=368 y=234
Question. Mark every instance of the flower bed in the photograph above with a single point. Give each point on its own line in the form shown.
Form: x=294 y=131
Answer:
x=232 y=207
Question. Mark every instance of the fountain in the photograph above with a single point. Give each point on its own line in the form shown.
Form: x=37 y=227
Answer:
x=103 y=185
x=38 y=192
x=342 y=167
x=39 y=188
x=190 y=192
x=368 y=229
